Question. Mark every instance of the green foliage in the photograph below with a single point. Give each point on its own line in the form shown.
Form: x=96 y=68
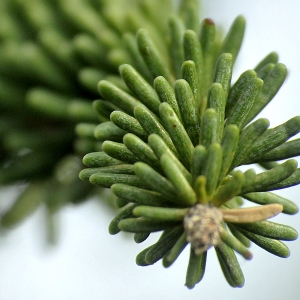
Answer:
x=52 y=55
x=186 y=130
x=166 y=136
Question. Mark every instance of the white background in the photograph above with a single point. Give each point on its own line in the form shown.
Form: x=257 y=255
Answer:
x=90 y=264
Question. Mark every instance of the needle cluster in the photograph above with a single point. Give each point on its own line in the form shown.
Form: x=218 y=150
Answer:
x=171 y=150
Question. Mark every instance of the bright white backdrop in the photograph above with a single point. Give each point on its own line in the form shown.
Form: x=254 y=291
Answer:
x=90 y=264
